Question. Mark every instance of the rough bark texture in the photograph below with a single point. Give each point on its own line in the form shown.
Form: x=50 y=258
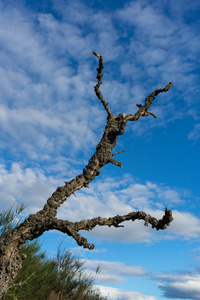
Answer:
x=36 y=224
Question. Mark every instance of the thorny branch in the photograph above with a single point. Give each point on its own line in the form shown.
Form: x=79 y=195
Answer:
x=36 y=224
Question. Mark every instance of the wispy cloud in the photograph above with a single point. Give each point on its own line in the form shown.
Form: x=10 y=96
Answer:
x=159 y=40
x=45 y=103
x=195 y=133
x=185 y=224
x=32 y=186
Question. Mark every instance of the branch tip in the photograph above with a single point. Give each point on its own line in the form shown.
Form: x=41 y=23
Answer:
x=97 y=55
x=152 y=114
x=143 y=109
x=97 y=86
x=86 y=185
x=116 y=163
x=118 y=152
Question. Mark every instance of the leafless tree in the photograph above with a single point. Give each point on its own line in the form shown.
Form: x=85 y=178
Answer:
x=36 y=224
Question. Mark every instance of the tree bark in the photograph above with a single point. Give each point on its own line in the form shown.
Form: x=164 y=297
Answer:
x=36 y=224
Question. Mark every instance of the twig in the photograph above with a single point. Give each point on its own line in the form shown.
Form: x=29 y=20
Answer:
x=118 y=152
x=97 y=86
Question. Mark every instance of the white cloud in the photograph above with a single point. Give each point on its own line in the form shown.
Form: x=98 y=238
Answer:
x=45 y=101
x=44 y=132
x=165 y=194
x=101 y=32
x=112 y=272
x=81 y=251
x=29 y=186
x=185 y=224
x=115 y=294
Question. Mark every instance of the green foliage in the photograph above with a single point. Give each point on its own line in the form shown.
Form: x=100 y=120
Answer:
x=9 y=220
x=72 y=281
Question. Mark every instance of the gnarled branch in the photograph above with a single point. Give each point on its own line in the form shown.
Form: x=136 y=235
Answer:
x=36 y=224
x=72 y=228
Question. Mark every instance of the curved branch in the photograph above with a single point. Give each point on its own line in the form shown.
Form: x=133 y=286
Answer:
x=143 y=109
x=97 y=86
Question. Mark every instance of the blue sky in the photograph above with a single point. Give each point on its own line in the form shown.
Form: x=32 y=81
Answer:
x=51 y=121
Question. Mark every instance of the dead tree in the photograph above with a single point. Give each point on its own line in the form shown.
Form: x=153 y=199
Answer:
x=36 y=224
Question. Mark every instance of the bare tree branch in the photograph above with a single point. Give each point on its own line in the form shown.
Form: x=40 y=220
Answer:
x=143 y=109
x=97 y=86
x=72 y=228
x=36 y=224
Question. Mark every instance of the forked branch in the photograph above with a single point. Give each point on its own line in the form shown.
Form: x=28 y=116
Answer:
x=36 y=224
